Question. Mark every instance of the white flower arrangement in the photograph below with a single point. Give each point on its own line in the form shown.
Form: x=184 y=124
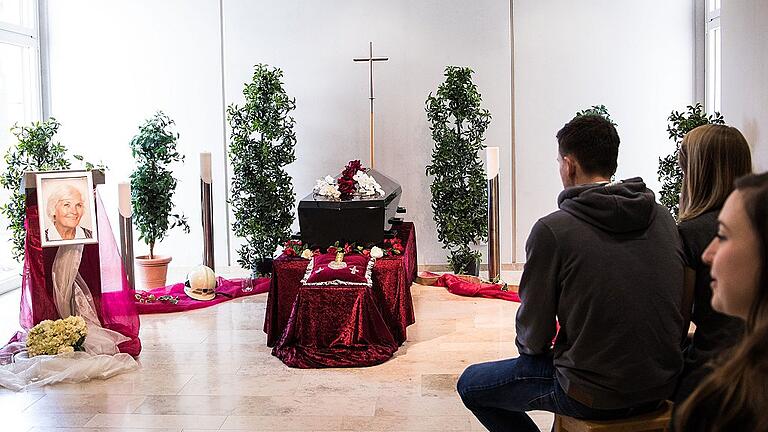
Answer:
x=327 y=187
x=367 y=185
x=377 y=252
x=55 y=337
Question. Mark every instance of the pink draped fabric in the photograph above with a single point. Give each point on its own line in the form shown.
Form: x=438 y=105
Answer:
x=102 y=269
x=459 y=286
x=227 y=289
x=336 y=326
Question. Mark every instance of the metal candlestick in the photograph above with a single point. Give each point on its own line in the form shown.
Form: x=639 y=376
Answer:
x=494 y=255
x=206 y=199
x=126 y=231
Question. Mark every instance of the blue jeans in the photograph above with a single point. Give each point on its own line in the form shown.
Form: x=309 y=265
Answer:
x=499 y=393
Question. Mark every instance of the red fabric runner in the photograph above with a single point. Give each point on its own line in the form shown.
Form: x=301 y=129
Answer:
x=337 y=326
x=459 y=286
x=227 y=289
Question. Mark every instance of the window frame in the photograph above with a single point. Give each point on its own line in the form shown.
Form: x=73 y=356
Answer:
x=25 y=38
x=713 y=58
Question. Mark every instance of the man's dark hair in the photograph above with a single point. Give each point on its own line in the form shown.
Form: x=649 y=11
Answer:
x=593 y=141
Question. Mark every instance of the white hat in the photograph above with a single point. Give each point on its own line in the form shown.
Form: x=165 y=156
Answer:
x=200 y=284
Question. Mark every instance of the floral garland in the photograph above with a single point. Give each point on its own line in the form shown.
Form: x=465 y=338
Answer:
x=145 y=297
x=57 y=337
x=353 y=180
x=390 y=247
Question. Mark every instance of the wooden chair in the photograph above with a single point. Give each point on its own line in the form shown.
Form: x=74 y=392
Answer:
x=654 y=421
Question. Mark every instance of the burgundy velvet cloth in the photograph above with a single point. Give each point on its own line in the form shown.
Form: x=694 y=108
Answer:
x=227 y=289
x=334 y=326
x=100 y=267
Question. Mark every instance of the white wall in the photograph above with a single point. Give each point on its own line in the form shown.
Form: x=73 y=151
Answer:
x=745 y=68
x=114 y=62
x=112 y=65
x=314 y=43
x=634 y=57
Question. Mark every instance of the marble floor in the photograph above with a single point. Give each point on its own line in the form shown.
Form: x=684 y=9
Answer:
x=211 y=370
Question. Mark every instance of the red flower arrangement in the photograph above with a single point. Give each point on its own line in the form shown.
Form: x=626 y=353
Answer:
x=347 y=182
x=296 y=248
x=393 y=246
x=293 y=248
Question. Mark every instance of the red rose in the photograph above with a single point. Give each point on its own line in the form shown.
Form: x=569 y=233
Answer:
x=289 y=252
x=346 y=187
x=366 y=252
x=331 y=249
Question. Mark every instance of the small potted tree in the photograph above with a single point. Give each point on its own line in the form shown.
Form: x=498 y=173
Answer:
x=34 y=151
x=670 y=173
x=459 y=189
x=152 y=189
x=262 y=144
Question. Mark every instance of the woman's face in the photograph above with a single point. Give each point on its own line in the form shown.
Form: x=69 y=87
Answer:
x=734 y=260
x=69 y=210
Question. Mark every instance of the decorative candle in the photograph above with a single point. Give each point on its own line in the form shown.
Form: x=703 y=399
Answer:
x=205 y=167
x=492 y=162
x=124 y=199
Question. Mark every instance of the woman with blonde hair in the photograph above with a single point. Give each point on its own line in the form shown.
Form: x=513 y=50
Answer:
x=711 y=157
x=734 y=397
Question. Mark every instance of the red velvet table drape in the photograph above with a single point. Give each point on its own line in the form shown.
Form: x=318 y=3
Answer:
x=341 y=326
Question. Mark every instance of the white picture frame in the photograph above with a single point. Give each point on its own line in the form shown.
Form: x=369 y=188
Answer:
x=66 y=208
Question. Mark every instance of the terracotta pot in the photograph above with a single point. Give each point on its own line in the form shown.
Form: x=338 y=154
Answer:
x=152 y=272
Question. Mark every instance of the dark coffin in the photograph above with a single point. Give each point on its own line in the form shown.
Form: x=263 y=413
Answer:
x=365 y=221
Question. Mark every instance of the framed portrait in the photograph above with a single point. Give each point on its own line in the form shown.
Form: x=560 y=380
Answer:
x=66 y=208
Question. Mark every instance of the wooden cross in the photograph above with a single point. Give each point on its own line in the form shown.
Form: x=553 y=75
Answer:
x=370 y=59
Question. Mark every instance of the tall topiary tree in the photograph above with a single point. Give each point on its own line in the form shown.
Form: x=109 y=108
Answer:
x=459 y=190
x=34 y=151
x=670 y=173
x=262 y=144
x=152 y=183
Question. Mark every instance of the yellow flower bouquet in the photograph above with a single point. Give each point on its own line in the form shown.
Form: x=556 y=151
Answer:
x=55 y=337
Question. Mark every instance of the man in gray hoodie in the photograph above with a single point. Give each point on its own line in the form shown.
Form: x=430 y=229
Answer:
x=608 y=268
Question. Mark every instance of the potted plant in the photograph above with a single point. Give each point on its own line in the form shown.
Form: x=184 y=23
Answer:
x=262 y=144
x=670 y=173
x=152 y=189
x=34 y=151
x=459 y=190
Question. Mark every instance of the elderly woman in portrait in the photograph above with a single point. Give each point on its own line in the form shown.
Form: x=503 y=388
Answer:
x=64 y=209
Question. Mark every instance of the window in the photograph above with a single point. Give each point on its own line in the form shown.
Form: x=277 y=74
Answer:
x=20 y=100
x=713 y=57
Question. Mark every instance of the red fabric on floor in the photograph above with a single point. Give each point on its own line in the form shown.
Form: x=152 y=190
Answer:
x=461 y=287
x=227 y=289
